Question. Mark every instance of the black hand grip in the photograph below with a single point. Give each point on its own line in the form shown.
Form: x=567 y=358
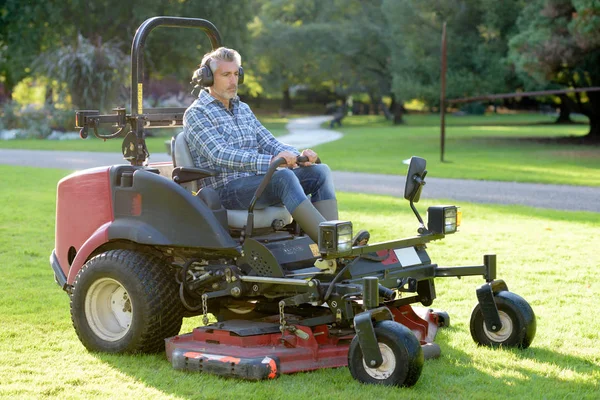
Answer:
x=303 y=159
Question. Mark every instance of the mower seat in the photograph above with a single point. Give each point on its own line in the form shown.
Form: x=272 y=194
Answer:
x=263 y=218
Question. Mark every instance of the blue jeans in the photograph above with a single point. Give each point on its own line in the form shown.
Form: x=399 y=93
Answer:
x=288 y=186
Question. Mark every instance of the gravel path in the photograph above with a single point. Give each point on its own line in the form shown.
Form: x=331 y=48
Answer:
x=306 y=132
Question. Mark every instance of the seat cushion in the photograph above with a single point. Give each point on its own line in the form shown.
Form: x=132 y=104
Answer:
x=262 y=218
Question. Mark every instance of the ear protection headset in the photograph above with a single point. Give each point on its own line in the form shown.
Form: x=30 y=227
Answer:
x=203 y=76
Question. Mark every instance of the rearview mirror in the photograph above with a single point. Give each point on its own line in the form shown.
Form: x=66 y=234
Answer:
x=415 y=178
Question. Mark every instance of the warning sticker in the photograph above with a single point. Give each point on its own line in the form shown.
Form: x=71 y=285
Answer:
x=408 y=256
x=315 y=249
x=140 y=98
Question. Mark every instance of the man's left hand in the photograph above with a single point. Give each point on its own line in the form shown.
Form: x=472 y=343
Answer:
x=311 y=155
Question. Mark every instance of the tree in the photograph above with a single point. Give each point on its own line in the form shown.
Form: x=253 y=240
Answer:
x=168 y=52
x=559 y=42
x=338 y=44
x=23 y=37
x=291 y=43
x=88 y=71
x=477 y=36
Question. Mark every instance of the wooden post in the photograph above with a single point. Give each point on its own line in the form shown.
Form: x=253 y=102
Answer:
x=443 y=96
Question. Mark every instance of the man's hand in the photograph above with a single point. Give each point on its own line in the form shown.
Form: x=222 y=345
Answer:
x=311 y=155
x=290 y=158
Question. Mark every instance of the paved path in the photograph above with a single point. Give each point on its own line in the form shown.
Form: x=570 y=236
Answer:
x=305 y=132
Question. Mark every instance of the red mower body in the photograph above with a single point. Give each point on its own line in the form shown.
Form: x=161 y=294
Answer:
x=111 y=207
x=83 y=212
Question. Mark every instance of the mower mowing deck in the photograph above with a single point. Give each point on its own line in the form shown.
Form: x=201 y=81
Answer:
x=257 y=350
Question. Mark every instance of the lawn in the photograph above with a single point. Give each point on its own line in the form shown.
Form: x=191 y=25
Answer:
x=490 y=147
x=505 y=147
x=548 y=257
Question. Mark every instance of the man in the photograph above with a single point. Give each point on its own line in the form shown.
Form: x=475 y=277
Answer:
x=224 y=135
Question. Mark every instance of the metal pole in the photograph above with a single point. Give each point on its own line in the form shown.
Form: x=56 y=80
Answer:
x=443 y=96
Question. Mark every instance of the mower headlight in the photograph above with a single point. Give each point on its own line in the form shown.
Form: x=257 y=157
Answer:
x=443 y=219
x=335 y=238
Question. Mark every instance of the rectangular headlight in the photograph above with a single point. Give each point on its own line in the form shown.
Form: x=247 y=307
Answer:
x=335 y=238
x=443 y=219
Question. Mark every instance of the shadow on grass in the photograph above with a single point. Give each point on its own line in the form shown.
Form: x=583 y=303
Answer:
x=532 y=373
x=587 y=141
x=453 y=373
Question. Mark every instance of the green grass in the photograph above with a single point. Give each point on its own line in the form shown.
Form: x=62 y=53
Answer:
x=548 y=257
x=490 y=147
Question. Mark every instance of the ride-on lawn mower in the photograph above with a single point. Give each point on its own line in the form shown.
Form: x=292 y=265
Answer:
x=138 y=248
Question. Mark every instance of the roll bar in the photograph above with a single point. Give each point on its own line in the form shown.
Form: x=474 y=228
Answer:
x=134 y=143
x=139 y=40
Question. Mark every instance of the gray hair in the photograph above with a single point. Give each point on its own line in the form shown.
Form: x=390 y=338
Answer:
x=221 y=54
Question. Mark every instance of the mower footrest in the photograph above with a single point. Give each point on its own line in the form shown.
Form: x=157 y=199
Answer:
x=252 y=368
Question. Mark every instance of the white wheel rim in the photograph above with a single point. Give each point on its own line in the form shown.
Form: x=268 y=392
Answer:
x=387 y=367
x=504 y=333
x=108 y=309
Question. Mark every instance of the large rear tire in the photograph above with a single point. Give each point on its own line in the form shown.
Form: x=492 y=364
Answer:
x=125 y=301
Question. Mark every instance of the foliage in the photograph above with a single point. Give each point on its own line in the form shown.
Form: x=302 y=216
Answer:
x=34 y=121
x=341 y=45
x=476 y=32
x=93 y=73
x=559 y=42
x=110 y=23
x=26 y=29
x=475 y=108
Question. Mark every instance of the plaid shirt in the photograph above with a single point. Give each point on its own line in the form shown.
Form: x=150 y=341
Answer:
x=232 y=142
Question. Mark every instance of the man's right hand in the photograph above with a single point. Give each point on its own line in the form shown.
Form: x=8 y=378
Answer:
x=290 y=158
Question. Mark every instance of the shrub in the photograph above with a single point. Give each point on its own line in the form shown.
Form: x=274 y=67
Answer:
x=475 y=108
x=62 y=120
x=10 y=115
x=35 y=122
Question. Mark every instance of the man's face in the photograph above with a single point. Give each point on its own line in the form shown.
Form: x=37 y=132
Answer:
x=225 y=83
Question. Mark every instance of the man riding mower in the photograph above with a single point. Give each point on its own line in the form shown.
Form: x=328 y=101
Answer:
x=138 y=248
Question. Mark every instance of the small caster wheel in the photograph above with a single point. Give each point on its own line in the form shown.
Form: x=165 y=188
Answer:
x=402 y=357
x=518 y=323
x=443 y=318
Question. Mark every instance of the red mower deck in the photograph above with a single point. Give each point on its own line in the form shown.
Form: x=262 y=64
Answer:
x=257 y=350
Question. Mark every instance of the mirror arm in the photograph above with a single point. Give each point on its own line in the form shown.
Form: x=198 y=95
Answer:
x=420 y=183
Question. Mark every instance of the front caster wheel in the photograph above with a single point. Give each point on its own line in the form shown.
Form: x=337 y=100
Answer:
x=402 y=357
x=518 y=323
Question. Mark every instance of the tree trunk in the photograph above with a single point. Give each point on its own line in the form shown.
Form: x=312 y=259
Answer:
x=7 y=89
x=49 y=95
x=286 y=104
x=375 y=103
x=397 y=109
x=564 y=116
x=593 y=114
x=593 y=135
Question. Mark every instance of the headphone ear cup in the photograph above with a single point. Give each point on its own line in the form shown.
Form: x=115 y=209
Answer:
x=241 y=76
x=206 y=76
